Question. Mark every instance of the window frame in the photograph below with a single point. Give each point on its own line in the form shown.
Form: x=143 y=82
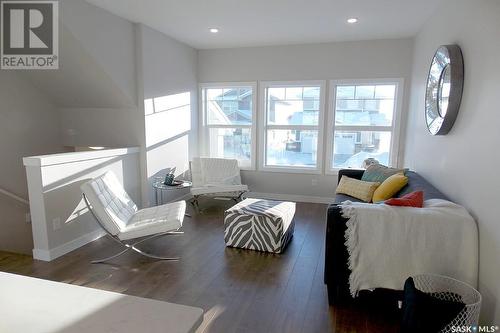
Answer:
x=394 y=128
x=263 y=126
x=204 y=127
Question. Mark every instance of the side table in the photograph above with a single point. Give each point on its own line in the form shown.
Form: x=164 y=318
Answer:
x=160 y=187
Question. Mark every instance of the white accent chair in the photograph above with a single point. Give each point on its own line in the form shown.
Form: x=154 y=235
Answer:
x=119 y=216
x=216 y=177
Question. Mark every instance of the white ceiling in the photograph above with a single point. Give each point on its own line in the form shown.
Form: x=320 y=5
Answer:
x=274 y=22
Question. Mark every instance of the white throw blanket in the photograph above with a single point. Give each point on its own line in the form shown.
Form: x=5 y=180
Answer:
x=387 y=244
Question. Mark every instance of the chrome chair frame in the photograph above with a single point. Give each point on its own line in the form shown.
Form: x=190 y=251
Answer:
x=194 y=201
x=235 y=196
x=128 y=246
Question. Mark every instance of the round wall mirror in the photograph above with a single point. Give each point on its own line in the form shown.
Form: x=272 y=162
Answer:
x=444 y=89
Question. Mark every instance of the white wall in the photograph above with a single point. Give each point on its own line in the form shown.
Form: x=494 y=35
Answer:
x=462 y=164
x=83 y=79
x=168 y=68
x=343 y=60
x=99 y=127
x=29 y=125
x=109 y=39
x=95 y=87
x=61 y=221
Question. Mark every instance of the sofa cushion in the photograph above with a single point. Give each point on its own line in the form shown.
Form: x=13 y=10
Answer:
x=389 y=187
x=357 y=188
x=413 y=199
x=379 y=173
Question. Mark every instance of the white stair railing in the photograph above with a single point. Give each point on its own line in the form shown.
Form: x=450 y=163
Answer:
x=14 y=196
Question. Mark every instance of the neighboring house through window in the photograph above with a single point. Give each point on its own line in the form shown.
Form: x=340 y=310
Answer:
x=291 y=126
x=228 y=121
x=364 y=118
x=363 y=122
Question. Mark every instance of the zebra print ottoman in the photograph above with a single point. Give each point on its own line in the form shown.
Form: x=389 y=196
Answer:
x=257 y=224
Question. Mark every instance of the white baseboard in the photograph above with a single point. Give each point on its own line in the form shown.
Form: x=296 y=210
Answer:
x=51 y=254
x=290 y=197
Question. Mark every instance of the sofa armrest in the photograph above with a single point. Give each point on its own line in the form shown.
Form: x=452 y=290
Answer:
x=352 y=173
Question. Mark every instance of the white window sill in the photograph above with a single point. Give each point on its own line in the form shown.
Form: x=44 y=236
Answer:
x=311 y=171
x=335 y=172
x=248 y=168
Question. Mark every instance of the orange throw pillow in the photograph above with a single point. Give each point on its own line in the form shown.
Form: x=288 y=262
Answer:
x=413 y=199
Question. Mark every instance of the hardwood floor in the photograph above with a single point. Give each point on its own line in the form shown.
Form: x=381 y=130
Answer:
x=240 y=290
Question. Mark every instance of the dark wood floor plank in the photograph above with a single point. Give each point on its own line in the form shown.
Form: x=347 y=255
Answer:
x=291 y=309
x=240 y=290
x=318 y=317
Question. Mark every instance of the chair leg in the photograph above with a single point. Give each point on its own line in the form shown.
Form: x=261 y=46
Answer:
x=135 y=249
x=196 y=204
x=149 y=255
x=98 y=261
x=240 y=197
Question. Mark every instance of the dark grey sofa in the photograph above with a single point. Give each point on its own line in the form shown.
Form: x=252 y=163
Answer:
x=336 y=268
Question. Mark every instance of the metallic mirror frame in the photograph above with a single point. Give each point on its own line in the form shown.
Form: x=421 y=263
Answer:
x=439 y=124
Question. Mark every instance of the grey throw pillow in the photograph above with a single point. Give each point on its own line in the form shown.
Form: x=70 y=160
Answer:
x=379 y=173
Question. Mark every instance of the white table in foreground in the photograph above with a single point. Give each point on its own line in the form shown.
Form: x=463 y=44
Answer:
x=32 y=305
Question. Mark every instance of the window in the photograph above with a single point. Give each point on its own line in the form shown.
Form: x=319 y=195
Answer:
x=228 y=121
x=291 y=130
x=363 y=122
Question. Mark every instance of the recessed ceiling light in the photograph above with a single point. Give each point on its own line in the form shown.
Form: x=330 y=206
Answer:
x=213 y=30
x=352 y=20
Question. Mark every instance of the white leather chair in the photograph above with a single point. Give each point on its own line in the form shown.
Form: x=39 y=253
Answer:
x=216 y=177
x=119 y=216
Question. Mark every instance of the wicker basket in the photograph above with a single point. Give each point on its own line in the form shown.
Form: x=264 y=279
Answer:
x=447 y=288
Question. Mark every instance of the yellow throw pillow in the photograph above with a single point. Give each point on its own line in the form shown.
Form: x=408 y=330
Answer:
x=389 y=187
x=357 y=188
